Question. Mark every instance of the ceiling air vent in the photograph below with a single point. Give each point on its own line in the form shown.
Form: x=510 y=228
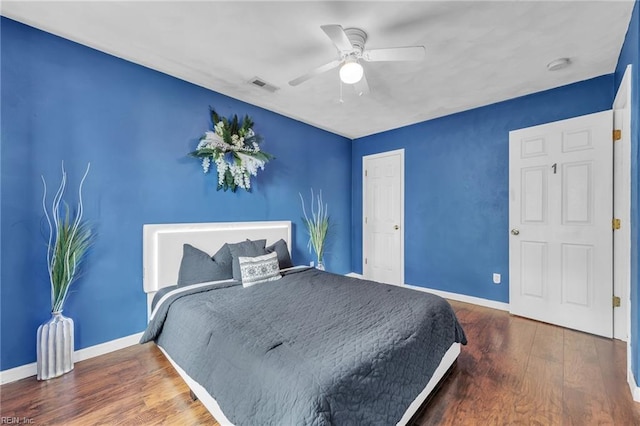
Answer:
x=258 y=82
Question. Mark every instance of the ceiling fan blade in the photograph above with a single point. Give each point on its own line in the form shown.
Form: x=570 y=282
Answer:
x=314 y=72
x=338 y=37
x=413 y=53
x=362 y=87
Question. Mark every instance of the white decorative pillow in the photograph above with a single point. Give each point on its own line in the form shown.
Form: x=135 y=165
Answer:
x=259 y=269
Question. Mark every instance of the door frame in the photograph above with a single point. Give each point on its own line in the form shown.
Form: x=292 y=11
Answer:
x=622 y=272
x=622 y=111
x=365 y=246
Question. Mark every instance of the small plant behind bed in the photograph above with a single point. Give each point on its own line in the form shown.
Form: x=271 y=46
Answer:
x=317 y=226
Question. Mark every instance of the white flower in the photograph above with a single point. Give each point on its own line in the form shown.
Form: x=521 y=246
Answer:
x=206 y=162
x=240 y=176
x=218 y=128
x=251 y=164
x=213 y=140
x=237 y=142
x=222 y=168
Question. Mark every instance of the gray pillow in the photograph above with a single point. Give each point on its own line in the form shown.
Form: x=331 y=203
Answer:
x=280 y=247
x=198 y=267
x=223 y=256
x=245 y=249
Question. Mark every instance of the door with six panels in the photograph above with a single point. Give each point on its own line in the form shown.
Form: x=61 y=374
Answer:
x=560 y=213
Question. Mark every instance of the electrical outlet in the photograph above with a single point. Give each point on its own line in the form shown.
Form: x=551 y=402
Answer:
x=312 y=263
x=496 y=278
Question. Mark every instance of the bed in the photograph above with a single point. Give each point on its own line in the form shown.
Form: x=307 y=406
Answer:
x=308 y=347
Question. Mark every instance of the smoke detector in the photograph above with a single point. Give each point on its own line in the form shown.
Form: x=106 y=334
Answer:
x=558 y=64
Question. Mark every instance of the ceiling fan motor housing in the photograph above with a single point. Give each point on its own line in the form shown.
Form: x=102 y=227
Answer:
x=357 y=37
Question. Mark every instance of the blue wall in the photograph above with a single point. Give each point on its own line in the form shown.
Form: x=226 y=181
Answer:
x=64 y=101
x=456 y=186
x=629 y=55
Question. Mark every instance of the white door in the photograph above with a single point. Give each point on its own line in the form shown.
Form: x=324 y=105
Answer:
x=383 y=221
x=560 y=212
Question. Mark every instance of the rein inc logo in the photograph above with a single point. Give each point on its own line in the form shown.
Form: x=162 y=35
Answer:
x=16 y=421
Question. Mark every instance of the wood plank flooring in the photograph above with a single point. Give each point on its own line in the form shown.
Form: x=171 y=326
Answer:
x=513 y=371
x=519 y=371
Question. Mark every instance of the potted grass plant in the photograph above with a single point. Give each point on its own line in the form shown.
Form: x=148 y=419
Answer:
x=317 y=226
x=69 y=239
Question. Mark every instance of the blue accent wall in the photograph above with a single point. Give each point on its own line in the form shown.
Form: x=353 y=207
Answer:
x=629 y=55
x=456 y=186
x=63 y=101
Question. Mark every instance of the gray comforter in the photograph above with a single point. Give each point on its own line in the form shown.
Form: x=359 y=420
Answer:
x=312 y=348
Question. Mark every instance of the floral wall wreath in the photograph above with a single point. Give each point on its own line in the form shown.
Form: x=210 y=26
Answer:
x=234 y=149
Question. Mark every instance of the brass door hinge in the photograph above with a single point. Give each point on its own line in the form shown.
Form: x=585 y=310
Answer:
x=615 y=224
x=616 y=302
x=617 y=135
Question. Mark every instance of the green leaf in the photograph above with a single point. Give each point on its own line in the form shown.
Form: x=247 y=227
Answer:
x=226 y=134
x=228 y=181
x=247 y=123
x=234 y=125
x=214 y=116
x=261 y=155
x=207 y=152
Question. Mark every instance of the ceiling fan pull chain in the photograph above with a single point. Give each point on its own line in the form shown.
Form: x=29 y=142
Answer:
x=340 y=83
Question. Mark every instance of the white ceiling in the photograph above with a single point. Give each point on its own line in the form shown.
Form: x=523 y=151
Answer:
x=478 y=52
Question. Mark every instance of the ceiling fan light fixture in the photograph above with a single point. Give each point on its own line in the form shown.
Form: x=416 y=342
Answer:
x=351 y=72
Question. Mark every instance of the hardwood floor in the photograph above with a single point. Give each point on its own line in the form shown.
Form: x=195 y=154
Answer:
x=519 y=371
x=132 y=386
x=513 y=371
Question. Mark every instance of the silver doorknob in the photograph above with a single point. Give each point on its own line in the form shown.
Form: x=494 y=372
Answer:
x=396 y=227
x=515 y=231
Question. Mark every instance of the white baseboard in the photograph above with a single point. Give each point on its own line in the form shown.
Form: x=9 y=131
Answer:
x=493 y=304
x=106 y=347
x=355 y=275
x=453 y=296
x=635 y=390
x=18 y=373
x=28 y=370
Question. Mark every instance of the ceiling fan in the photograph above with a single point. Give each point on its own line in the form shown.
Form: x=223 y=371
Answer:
x=350 y=43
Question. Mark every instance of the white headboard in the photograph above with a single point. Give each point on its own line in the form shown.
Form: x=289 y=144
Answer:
x=162 y=244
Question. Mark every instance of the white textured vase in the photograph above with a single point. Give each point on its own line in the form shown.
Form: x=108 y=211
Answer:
x=55 y=347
